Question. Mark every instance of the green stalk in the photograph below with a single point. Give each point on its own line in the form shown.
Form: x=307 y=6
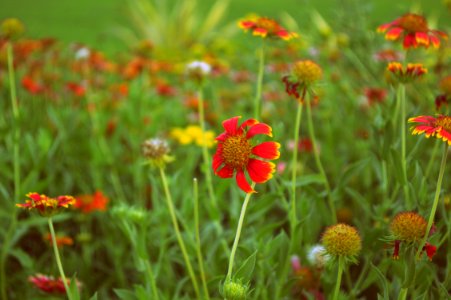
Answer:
x=261 y=69
x=435 y=203
x=293 y=215
x=401 y=98
x=238 y=234
x=318 y=160
x=403 y=294
x=151 y=279
x=16 y=169
x=339 y=275
x=58 y=259
x=177 y=232
x=198 y=244
x=206 y=157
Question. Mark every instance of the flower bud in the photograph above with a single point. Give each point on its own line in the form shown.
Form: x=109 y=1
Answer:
x=12 y=29
x=235 y=290
x=342 y=240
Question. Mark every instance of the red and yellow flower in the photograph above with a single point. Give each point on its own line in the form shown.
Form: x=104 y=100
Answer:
x=413 y=30
x=410 y=73
x=266 y=27
x=89 y=203
x=45 y=205
x=439 y=126
x=237 y=154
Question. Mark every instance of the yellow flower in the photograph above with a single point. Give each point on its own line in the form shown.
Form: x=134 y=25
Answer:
x=194 y=134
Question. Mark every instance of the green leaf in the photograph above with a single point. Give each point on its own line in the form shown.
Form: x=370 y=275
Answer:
x=383 y=280
x=125 y=294
x=74 y=289
x=244 y=273
x=94 y=297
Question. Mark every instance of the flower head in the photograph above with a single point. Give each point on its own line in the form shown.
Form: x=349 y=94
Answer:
x=11 y=28
x=413 y=30
x=193 y=134
x=198 y=69
x=303 y=74
x=89 y=203
x=412 y=72
x=48 y=284
x=235 y=290
x=156 y=151
x=342 y=240
x=236 y=153
x=266 y=27
x=46 y=206
x=439 y=126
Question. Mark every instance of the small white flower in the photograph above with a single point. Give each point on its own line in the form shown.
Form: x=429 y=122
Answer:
x=199 y=66
x=82 y=53
x=317 y=256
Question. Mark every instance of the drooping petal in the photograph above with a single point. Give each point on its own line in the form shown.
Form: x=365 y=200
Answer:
x=260 y=32
x=268 y=150
x=248 y=123
x=422 y=38
x=435 y=41
x=260 y=128
x=242 y=182
x=246 y=24
x=430 y=250
x=410 y=41
x=394 y=33
x=396 y=250
x=260 y=171
x=225 y=172
x=231 y=125
x=217 y=161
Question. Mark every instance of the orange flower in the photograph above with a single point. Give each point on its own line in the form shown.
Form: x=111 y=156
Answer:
x=266 y=27
x=89 y=203
x=77 y=89
x=31 y=85
x=412 y=72
x=236 y=153
x=414 y=31
x=48 y=284
x=47 y=206
x=439 y=127
x=60 y=240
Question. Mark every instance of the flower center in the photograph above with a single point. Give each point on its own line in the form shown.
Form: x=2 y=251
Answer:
x=414 y=23
x=444 y=122
x=236 y=151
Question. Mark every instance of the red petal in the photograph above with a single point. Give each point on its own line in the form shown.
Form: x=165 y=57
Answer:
x=394 y=33
x=268 y=150
x=260 y=171
x=246 y=24
x=396 y=250
x=248 y=123
x=242 y=182
x=226 y=172
x=422 y=38
x=217 y=161
x=410 y=41
x=430 y=250
x=260 y=128
x=435 y=41
x=231 y=125
x=221 y=137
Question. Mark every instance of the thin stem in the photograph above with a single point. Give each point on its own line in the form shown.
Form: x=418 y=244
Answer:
x=339 y=275
x=177 y=232
x=435 y=203
x=198 y=244
x=238 y=234
x=293 y=215
x=16 y=168
x=401 y=95
x=58 y=259
x=403 y=294
x=151 y=279
x=318 y=160
x=261 y=68
x=206 y=157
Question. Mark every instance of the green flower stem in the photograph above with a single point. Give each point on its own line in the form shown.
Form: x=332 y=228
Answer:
x=261 y=71
x=318 y=160
x=293 y=215
x=198 y=244
x=58 y=259
x=151 y=278
x=341 y=263
x=238 y=234
x=16 y=168
x=435 y=203
x=403 y=294
x=177 y=232
x=206 y=157
x=401 y=98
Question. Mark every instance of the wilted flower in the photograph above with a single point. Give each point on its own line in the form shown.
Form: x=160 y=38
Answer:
x=409 y=227
x=60 y=240
x=342 y=240
x=47 y=206
x=156 y=151
x=439 y=126
x=235 y=152
x=266 y=27
x=303 y=74
x=413 y=30
x=49 y=284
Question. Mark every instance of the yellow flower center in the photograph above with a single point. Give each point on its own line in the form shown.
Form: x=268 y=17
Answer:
x=270 y=25
x=408 y=226
x=307 y=72
x=236 y=151
x=413 y=23
x=445 y=85
x=342 y=240
x=444 y=122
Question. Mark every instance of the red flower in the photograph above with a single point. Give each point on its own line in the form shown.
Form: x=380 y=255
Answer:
x=375 y=95
x=439 y=127
x=46 y=206
x=266 y=27
x=414 y=31
x=236 y=153
x=410 y=73
x=77 y=89
x=89 y=203
x=31 y=85
x=48 y=284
